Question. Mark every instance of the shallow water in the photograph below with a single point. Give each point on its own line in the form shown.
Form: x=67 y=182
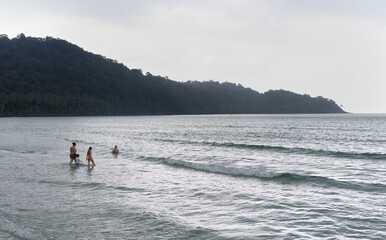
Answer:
x=197 y=177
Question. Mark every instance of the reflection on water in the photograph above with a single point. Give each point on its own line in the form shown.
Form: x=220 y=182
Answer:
x=73 y=169
x=89 y=169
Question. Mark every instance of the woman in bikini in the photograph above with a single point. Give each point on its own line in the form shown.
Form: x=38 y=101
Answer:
x=89 y=156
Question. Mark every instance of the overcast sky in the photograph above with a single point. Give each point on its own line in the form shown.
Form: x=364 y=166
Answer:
x=330 y=48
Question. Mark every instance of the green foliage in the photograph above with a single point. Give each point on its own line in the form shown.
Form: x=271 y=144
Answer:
x=48 y=77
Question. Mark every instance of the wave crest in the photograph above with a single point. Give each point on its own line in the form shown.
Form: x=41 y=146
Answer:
x=295 y=150
x=282 y=178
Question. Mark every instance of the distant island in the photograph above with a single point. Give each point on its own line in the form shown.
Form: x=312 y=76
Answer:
x=52 y=77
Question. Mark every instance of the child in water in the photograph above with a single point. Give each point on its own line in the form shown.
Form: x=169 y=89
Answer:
x=77 y=161
x=89 y=156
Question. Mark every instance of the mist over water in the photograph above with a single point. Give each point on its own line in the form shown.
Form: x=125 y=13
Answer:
x=195 y=177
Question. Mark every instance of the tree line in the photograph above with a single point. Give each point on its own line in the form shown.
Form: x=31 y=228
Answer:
x=51 y=77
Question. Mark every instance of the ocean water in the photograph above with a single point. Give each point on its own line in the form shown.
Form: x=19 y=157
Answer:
x=195 y=177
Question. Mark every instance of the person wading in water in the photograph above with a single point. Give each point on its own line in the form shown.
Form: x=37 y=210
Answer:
x=89 y=156
x=73 y=153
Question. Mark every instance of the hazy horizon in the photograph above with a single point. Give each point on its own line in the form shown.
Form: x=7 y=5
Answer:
x=333 y=49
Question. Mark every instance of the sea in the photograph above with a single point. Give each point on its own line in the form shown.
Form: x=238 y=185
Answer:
x=194 y=177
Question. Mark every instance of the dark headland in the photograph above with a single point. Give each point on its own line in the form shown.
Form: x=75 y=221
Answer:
x=52 y=77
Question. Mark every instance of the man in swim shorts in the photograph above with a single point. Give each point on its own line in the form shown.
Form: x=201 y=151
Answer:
x=73 y=153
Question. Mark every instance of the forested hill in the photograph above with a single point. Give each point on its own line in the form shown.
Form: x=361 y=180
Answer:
x=48 y=77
